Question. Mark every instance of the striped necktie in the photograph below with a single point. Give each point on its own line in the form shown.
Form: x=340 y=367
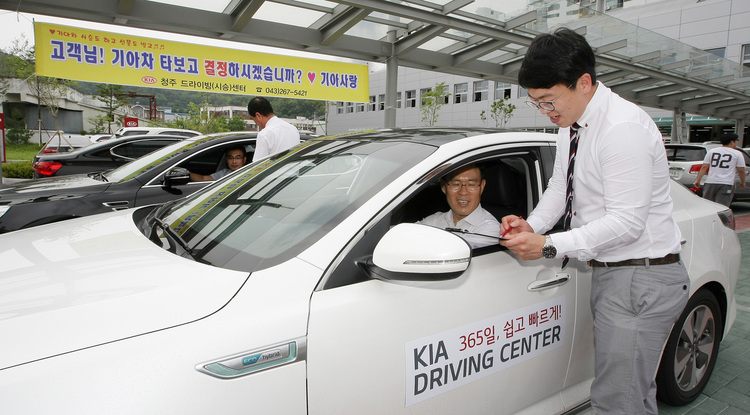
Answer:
x=574 y=134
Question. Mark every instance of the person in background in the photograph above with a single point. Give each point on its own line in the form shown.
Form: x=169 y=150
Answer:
x=611 y=185
x=723 y=162
x=276 y=135
x=235 y=157
x=463 y=189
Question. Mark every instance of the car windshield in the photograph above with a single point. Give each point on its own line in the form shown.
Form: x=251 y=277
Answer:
x=156 y=158
x=685 y=153
x=271 y=211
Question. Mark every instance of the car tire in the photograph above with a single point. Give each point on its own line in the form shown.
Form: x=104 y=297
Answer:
x=691 y=351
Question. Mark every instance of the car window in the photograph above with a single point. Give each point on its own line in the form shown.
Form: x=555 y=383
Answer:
x=136 y=149
x=134 y=132
x=511 y=182
x=292 y=199
x=686 y=153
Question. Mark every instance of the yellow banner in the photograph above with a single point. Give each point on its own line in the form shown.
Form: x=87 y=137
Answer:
x=113 y=58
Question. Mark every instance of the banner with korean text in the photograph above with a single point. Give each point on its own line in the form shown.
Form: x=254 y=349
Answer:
x=95 y=56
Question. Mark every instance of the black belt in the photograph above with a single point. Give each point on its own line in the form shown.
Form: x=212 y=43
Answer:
x=667 y=259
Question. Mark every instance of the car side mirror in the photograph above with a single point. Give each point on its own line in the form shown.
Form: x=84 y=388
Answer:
x=413 y=252
x=176 y=176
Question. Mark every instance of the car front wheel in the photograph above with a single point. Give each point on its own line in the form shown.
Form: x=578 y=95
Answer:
x=691 y=351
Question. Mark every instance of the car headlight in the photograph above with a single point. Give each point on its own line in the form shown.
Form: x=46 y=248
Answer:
x=4 y=209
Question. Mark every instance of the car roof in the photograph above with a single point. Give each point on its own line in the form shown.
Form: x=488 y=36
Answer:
x=106 y=144
x=438 y=136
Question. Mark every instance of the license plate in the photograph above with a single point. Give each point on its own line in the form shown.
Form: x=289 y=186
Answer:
x=674 y=173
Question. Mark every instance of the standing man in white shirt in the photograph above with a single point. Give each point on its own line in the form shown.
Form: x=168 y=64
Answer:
x=276 y=135
x=723 y=162
x=618 y=216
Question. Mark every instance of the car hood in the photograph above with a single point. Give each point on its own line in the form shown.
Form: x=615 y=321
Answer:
x=52 y=186
x=68 y=282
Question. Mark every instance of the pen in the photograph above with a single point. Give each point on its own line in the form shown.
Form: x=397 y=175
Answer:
x=508 y=230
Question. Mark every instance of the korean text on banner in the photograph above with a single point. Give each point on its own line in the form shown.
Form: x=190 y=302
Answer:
x=95 y=56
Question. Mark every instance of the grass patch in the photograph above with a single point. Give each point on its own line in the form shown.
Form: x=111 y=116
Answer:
x=21 y=151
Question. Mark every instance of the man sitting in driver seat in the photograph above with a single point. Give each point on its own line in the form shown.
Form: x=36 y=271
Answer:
x=235 y=157
x=463 y=190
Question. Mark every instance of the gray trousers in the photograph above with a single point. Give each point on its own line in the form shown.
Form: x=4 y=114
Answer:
x=719 y=193
x=634 y=309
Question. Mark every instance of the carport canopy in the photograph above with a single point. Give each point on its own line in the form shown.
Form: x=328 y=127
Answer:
x=462 y=37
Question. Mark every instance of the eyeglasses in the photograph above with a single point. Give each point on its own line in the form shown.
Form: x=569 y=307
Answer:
x=547 y=105
x=235 y=157
x=456 y=186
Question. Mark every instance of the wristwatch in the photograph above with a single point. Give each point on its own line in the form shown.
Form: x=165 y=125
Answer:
x=549 y=250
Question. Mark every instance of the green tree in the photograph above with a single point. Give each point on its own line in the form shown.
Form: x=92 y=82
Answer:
x=432 y=101
x=483 y=117
x=237 y=123
x=501 y=111
x=17 y=132
x=113 y=97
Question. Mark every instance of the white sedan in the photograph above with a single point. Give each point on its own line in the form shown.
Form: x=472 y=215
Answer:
x=301 y=285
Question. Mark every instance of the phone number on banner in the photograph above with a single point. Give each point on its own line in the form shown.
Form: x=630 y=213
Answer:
x=283 y=91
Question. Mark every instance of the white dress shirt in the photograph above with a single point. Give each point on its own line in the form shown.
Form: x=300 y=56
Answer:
x=621 y=203
x=277 y=136
x=479 y=221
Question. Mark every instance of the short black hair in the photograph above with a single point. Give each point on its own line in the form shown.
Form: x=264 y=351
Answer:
x=557 y=58
x=728 y=138
x=261 y=105
x=241 y=148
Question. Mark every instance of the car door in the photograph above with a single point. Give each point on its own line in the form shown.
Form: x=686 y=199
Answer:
x=497 y=339
x=205 y=161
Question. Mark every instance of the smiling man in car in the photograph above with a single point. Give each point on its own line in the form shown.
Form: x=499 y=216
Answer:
x=463 y=190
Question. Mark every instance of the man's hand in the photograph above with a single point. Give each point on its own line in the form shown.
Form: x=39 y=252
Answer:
x=526 y=245
x=513 y=224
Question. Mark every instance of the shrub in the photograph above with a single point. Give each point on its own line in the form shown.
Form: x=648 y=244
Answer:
x=18 y=170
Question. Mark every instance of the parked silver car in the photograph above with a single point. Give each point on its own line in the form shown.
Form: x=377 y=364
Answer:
x=685 y=162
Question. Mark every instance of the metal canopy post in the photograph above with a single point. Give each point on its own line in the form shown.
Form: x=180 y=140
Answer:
x=391 y=84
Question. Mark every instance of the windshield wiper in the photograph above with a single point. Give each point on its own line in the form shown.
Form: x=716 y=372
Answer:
x=98 y=176
x=259 y=202
x=174 y=237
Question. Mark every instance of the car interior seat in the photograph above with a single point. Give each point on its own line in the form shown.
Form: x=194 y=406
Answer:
x=505 y=191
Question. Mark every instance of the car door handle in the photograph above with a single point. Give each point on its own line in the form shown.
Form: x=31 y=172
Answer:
x=118 y=205
x=560 y=279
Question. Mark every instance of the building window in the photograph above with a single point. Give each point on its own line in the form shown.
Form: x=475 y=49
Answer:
x=350 y=108
x=340 y=107
x=422 y=93
x=522 y=92
x=502 y=90
x=398 y=100
x=720 y=52
x=460 y=93
x=745 y=55
x=371 y=106
x=411 y=99
x=481 y=89
x=381 y=102
x=360 y=107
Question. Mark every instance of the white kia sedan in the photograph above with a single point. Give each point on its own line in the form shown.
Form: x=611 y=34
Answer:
x=300 y=284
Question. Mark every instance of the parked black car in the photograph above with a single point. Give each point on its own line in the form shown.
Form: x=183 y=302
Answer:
x=100 y=156
x=158 y=177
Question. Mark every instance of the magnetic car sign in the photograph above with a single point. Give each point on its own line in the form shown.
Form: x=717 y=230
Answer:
x=442 y=362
